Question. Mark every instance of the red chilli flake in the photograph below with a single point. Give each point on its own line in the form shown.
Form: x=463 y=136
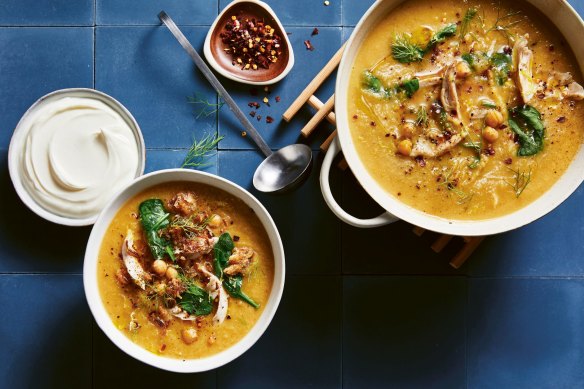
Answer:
x=253 y=104
x=561 y=119
x=269 y=119
x=314 y=32
x=252 y=43
x=421 y=161
x=252 y=114
x=277 y=99
x=308 y=45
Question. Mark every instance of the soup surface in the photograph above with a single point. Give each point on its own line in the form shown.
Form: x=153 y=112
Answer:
x=465 y=109
x=185 y=270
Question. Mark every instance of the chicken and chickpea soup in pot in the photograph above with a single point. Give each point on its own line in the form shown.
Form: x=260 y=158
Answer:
x=465 y=109
x=184 y=270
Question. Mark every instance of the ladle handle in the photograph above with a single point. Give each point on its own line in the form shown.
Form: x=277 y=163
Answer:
x=249 y=128
x=325 y=187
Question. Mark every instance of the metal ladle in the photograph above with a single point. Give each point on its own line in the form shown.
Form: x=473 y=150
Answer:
x=281 y=170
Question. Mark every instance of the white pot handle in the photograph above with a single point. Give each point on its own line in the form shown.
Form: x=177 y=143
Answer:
x=381 y=220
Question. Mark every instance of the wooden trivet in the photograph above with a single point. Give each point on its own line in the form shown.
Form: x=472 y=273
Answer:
x=325 y=111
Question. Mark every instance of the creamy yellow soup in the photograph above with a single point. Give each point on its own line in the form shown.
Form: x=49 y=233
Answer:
x=132 y=309
x=401 y=139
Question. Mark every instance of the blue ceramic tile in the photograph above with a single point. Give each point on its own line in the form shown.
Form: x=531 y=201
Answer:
x=37 y=61
x=353 y=10
x=172 y=159
x=404 y=332
x=112 y=369
x=406 y=253
x=280 y=133
x=147 y=70
x=550 y=246
x=46 y=332
x=309 y=231
x=526 y=333
x=310 y=13
x=137 y=12
x=301 y=347
x=46 y=13
x=347 y=31
x=29 y=243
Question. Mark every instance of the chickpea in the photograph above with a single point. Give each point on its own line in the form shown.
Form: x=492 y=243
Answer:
x=493 y=118
x=215 y=221
x=189 y=335
x=462 y=70
x=171 y=273
x=407 y=130
x=405 y=147
x=159 y=267
x=490 y=134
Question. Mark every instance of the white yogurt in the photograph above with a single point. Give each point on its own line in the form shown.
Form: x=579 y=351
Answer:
x=78 y=152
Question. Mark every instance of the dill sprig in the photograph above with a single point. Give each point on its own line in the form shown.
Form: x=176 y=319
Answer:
x=520 y=181
x=189 y=225
x=504 y=28
x=201 y=150
x=207 y=108
x=422 y=116
x=404 y=51
x=466 y=21
x=451 y=185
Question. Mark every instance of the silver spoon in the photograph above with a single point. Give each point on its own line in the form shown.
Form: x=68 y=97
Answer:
x=281 y=170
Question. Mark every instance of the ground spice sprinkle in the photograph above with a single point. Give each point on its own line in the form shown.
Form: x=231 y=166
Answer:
x=251 y=43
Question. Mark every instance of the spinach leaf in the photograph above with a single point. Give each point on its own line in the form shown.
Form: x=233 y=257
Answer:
x=196 y=300
x=526 y=122
x=154 y=218
x=233 y=286
x=469 y=58
x=501 y=63
x=409 y=87
x=441 y=36
x=222 y=252
x=371 y=82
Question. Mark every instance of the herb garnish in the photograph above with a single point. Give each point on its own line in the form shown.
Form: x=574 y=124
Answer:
x=521 y=180
x=451 y=185
x=189 y=226
x=441 y=36
x=525 y=121
x=404 y=51
x=154 y=218
x=201 y=150
x=501 y=63
x=504 y=28
x=422 y=116
x=477 y=147
x=206 y=107
x=375 y=86
x=466 y=21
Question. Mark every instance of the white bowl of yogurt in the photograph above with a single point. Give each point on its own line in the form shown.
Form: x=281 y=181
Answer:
x=71 y=152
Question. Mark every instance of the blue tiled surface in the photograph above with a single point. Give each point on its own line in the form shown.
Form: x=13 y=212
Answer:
x=36 y=61
x=361 y=308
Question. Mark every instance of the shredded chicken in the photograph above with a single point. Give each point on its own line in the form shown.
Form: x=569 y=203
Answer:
x=239 y=261
x=522 y=65
x=177 y=311
x=568 y=87
x=132 y=263
x=215 y=289
x=426 y=146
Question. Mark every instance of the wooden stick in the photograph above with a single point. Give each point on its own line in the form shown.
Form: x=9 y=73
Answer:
x=466 y=251
x=441 y=242
x=418 y=230
x=326 y=144
x=314 y=84
x=315 y=103
x=317 y=118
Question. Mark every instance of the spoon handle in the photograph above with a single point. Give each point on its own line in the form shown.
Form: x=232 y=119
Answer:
x=251 y=131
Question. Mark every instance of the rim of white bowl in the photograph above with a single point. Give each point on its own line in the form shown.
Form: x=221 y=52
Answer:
x=98 y=309
x=19 y=137
x=211 y=59
x=560 y=191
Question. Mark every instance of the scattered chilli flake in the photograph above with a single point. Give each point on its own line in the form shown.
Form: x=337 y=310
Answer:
x=277 y=99
x=269 y=119
x=259 y=117
x=308 y=45
x=253 y=104
x=252 y=113
x=314 y=32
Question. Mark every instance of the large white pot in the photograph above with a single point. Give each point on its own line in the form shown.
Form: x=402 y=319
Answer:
x=570 y=25
x=90 y=272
